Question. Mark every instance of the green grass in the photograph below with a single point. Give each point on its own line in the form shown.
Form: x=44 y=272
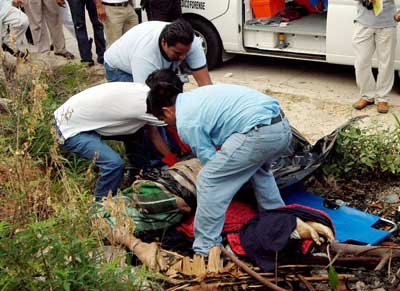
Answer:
x=46 y=238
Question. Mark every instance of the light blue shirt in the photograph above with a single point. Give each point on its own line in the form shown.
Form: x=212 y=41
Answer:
x=207 y=116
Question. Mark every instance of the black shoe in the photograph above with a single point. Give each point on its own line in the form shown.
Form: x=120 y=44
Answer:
x=16 y=53
x=66 y=55
x=87 y=63
x=22 y=54
x=100 y=60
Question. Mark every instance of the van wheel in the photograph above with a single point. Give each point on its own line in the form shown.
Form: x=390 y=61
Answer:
x=210 y=41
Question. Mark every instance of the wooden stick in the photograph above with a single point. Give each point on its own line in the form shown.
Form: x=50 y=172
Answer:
x=305 y=282
x=250 y=271
x=383 y=261
x=377 y=251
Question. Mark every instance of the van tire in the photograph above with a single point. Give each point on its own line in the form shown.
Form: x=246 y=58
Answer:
x=211 y=40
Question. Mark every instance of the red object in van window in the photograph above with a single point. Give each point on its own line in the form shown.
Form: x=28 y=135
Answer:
x=266 y=8
x=309 y=7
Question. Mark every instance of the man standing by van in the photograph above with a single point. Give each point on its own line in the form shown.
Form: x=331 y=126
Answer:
x=375 y=31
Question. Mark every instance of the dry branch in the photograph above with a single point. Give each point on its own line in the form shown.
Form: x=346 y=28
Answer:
x=250 y=271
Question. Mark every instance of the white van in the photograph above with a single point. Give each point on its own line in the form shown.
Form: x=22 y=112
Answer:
x=228 y=26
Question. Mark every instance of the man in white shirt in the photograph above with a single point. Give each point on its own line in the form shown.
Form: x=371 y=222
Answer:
x=375 y=33
x=156 y=45
x=107 y=111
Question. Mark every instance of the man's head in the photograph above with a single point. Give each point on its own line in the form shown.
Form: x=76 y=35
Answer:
x=176 y=39
x=164 y=85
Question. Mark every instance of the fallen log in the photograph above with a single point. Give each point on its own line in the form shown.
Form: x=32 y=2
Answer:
x=356 y=250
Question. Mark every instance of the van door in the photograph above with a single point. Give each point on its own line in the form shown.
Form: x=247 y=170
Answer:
x=339 y=31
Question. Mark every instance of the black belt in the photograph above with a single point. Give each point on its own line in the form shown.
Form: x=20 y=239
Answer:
x=274 y=120
x=121 y=4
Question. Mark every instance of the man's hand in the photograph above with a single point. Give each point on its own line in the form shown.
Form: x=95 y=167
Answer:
x=169 y=159
x=18 y=3
x=60 y=3
x=101 y=12
x=397 y=16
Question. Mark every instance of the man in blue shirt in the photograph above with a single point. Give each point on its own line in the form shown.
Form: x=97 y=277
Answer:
x=249 y=127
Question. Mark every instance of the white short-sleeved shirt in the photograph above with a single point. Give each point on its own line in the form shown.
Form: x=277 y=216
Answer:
x=110 y=109
x=138 y=52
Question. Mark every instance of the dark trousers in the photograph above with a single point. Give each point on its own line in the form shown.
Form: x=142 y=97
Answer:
x=164 y=10
x=136 y=150
x=84 y=42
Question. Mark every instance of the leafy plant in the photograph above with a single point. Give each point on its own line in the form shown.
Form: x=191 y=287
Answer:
x=365 y=152
x=59 y=254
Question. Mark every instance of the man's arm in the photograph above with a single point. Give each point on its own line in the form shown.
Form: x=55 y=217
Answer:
x=101 y=12
x=157 y=140
x=202 y=77
x=199 y=141
x=196 y=61
x=397 y=16
x=168 y=157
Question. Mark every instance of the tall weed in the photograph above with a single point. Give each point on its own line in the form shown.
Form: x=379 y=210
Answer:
x=46 y=238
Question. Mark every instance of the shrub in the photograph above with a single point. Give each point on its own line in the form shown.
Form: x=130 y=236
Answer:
x=367 y=152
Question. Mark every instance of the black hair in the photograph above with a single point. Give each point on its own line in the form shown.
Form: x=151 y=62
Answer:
x=161 y=95
x=179 y=31
x=164 y=85
x=164 y=76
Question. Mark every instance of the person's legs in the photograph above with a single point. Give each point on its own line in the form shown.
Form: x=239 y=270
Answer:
x=240 y=157
x=54 y=23
x=67 y=18
x=131 y=19
x=263 y=181
x=364 y=48
x=40 y=35
x=114 y=23
x=175 y=10
x=136 y=152
x=386 y=49
x=158 y=10
x=116 y=75
x=18 y=23
x=90 y=146
x=78 y=16
x=98 y=31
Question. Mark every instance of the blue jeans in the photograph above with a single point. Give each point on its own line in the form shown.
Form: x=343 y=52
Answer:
x=89 y=145
x=241 y=158
x=116 y=75
x=84 y=42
